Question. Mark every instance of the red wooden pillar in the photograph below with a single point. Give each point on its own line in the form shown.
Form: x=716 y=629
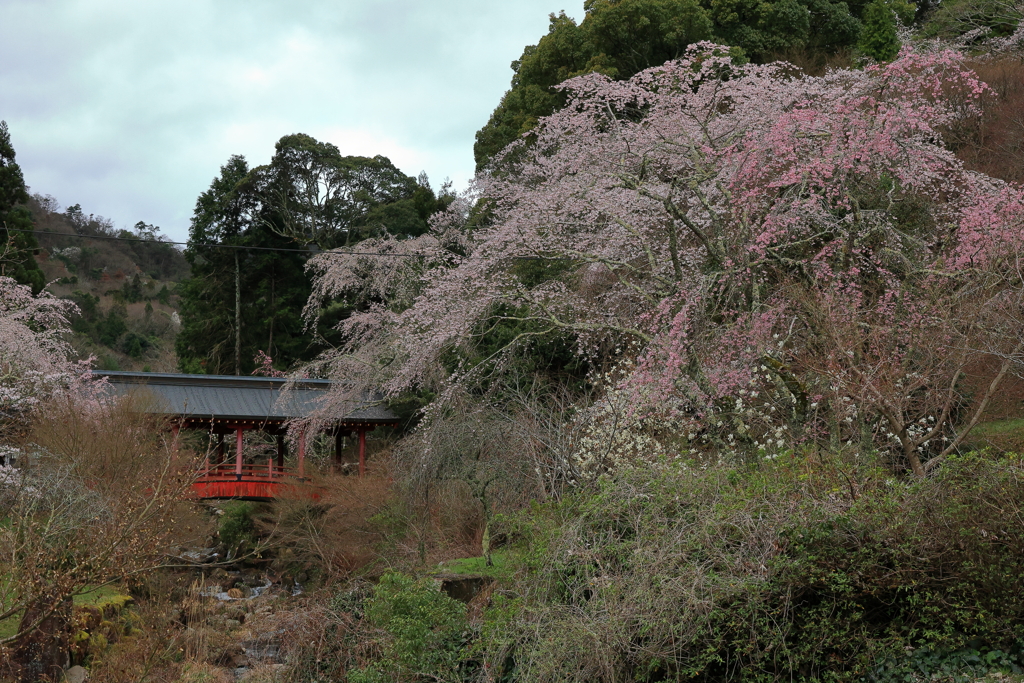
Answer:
x=302 y=452
x=238 y=453
x=362 y=451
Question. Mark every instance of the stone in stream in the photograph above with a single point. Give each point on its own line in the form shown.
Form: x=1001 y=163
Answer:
x=76 y=674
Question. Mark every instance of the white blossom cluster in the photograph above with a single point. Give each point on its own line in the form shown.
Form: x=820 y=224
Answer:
x=612 y=438
x=12 y=480
x=67 y=253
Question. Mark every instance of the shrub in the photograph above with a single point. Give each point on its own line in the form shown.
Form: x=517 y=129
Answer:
x=237 y=528
x=810 y=567
x=421 y=630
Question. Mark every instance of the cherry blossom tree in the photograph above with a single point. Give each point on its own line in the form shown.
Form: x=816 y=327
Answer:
x=33 y=350
x=758 y=258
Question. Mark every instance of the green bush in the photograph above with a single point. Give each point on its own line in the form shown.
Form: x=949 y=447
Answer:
x=808 y=567
x=422 y=632
x=237 y=529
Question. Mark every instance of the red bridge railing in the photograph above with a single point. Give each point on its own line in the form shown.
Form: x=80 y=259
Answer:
x=250 y=482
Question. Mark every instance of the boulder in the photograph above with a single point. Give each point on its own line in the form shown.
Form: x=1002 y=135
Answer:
x=76 y=674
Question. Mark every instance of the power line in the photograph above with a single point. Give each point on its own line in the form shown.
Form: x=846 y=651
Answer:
x=240 y=246
x=215 y=246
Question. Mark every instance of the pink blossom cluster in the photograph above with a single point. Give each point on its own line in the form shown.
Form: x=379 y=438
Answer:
x=792 y=253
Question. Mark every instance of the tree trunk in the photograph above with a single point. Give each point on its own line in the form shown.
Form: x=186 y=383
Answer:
x=44 y=651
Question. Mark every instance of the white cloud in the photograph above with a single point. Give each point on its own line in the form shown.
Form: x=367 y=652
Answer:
x=130 y=108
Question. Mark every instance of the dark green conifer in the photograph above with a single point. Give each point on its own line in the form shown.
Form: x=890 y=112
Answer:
x=16 y=248
x=878 y=39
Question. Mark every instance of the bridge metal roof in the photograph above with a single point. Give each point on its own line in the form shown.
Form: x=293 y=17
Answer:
x=226 y=398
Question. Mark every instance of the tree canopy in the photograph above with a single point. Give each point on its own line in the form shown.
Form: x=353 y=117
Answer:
x=309 y=194
x=16 y=250
x=619 y=38
x=321 y=197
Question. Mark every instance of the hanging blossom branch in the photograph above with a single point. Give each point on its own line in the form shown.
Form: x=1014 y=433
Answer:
x=33 y=350
x=775 y=259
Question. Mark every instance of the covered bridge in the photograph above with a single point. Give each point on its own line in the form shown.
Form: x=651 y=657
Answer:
x=224 y=405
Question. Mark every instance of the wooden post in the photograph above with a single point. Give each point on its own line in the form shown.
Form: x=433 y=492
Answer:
x=302 y=452
x=362 y=451
x=270 y=467
x=280 y=452
x=238 y=453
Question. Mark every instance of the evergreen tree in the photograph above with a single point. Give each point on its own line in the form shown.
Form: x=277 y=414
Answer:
x=16 y=248
x=878 y=39
x=308 y=193
x=270 y=284
x=620 y=38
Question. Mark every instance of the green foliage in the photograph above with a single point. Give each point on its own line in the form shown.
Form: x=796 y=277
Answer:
x=954 y=18
x=237 y=529
x=16 y=248
x=957 y=666
x=272 y=283
x=423 y=632
x=538 y=350
x=619 y=38
x=110 y=328
x=878 y=39
x=478 y=566
x=819 y=567
x=131 y=291
x=134 y=344
x=164 y=296
x=308 y=193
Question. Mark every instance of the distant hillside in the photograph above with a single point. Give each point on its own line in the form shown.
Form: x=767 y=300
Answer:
x=125 y=288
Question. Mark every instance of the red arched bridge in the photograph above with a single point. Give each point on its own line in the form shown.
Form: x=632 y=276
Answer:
x=226 y=407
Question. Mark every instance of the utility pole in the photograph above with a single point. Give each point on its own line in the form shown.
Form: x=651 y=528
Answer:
x=238 y=317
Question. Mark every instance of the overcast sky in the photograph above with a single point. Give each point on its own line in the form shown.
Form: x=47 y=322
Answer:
x=130 y=108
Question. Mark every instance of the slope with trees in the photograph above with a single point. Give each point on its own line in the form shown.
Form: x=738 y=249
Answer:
x=123 y=282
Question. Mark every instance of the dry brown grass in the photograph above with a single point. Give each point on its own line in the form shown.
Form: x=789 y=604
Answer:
x=365 y=525
x=149 y=654
x=336 y=532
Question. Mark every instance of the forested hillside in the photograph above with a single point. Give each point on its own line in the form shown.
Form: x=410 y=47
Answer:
x=123 y=282
x=714 y=373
